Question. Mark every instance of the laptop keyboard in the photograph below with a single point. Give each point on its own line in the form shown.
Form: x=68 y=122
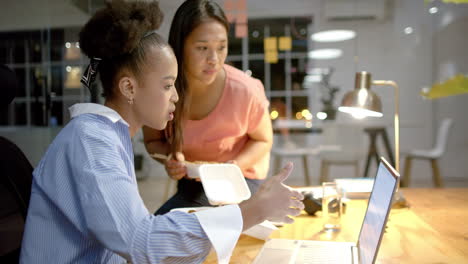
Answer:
x=284 y=251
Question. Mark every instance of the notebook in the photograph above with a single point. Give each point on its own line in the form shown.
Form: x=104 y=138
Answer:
x=364 y=252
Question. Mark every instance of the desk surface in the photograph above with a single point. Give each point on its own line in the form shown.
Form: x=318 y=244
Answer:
x=432 y=230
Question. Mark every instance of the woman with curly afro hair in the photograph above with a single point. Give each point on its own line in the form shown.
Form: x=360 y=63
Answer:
x=85 y=206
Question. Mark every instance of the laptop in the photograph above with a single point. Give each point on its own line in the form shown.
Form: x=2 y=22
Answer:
x=364 y=252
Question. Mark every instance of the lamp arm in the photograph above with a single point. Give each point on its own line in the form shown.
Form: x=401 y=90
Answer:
x=396 y=120
x=399 y=200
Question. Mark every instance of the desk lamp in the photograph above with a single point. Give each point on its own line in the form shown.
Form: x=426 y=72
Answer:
x=362 y=102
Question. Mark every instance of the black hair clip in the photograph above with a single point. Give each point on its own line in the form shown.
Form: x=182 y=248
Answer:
x=90 y=73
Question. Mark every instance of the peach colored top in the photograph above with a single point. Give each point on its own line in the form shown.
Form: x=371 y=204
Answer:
x=221 y=135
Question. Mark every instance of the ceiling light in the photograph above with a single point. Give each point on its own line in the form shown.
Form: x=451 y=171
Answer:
x=433 y=10
x=333 y=35
x=324 y=54
x=322 y=115
x=408 y=30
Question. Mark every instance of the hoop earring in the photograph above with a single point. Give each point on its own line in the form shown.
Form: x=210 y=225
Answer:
x=130 y=101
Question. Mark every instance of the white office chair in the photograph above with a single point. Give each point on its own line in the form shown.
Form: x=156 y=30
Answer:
x=431 y=155
x=349 y=137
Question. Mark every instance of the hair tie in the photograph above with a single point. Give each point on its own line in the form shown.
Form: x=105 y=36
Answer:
x=90 y=73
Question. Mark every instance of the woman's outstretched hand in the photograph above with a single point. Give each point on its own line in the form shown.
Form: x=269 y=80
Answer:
x=274 y=201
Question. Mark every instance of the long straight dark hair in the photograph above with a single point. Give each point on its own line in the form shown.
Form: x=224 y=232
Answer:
x=188 y=16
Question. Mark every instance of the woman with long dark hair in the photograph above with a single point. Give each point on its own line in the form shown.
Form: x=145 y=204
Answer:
x=222 y=114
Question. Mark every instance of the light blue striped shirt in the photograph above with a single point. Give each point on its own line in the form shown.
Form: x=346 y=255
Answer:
x=85 y=206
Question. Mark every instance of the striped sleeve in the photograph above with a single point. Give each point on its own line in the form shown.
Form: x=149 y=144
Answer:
x=175 y=237
x=116 y=216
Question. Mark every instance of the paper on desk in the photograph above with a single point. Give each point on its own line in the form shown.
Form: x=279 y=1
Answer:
x=355 y=188
x=261 y=231
x=352 y=188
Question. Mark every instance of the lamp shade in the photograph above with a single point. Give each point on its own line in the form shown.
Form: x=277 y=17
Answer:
x=362 y=102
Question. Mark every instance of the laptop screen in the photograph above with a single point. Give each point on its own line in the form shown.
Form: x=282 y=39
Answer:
x=377 y=211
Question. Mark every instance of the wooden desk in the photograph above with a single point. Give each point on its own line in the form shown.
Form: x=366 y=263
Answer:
x=432 y=230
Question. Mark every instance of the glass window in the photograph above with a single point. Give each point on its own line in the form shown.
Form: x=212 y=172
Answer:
x=38 y=117
x=278 y=107
x=57 y=79
x=235 y=44
x=49 y=64
x=21 y=77
x=256 y=36
x=258 y=69
x=38 y=81
x=45 y=62
x=72 y=77
x=299 y=33
x=300 y=107
x=17 y=49
x=298 y=72
x=35 y=49
x=277 y=76
x=57 y=44
x=235 y=63
x=20 y=114
x=56 y=116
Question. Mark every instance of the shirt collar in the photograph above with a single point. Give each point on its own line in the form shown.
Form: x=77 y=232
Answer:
x=90 y=108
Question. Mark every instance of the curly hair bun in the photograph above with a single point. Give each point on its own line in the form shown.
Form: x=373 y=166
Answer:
x=117 y=29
